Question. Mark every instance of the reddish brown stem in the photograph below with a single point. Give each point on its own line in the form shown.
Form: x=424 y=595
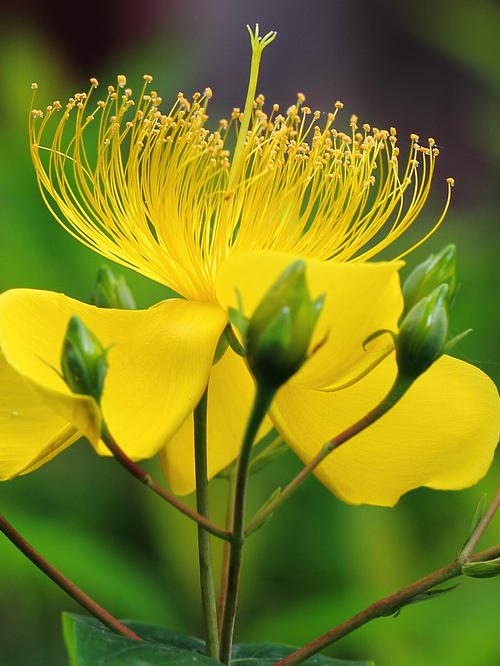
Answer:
x=64 y=583
x=384 y=606
x=148 y=481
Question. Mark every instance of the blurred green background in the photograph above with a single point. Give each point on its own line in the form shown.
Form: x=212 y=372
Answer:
x=429 y=67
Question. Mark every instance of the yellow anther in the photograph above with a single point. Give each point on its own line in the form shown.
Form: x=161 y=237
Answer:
x=235 y=113
x=94 y=82
x=392 y=131
x=276 y=108
x=451 y=182
x=57 y=105
x=128 y=92
x=301 y=98
x=121 y=79
x=306 y=110
x=339 y=105
x=129 y=124
x=366 y=127
x=111 y=89
x=34 y=86
x=101 y=104
x=354 y=118
x=147 y=78
x=414 y=137
x=431 y=141
x=435 y=151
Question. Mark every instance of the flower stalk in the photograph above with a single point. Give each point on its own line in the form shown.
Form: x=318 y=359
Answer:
x=394 y=602
x=148 y=481
x=64 y=583
x=263 y=399
x=399 y=388
x=208 y=600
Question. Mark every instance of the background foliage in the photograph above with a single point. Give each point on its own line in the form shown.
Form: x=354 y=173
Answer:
x=429 y=67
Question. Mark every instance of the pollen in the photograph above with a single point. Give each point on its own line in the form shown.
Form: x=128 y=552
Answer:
x=155 y=187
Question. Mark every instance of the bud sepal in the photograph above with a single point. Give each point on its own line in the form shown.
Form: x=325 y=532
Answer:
x=423 y=333
x=111 y=291
x=434 y=271
x=277 y=336
x=83 y=360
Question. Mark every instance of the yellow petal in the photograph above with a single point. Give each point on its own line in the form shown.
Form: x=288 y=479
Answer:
x=30 y=432
x=230 y=395
x=360 y=299
x=159 y=362
x=441 y=434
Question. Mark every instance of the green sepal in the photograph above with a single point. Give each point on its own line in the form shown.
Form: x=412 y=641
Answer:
x=238 y=319
x=280 y=330
x=83 y=360
x=453 y=342
x=89 y=643
x=377 y=334
x=111 y=291
x=423 y=334
x=486 y=569
x=435 y=270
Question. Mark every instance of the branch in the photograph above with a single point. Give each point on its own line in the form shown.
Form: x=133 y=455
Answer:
x=385 y=606
x=64 y=583
x=148 y=481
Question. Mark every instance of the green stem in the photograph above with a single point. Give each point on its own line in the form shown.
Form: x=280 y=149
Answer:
x=482 y=525
x=148 y=481
x=385 y=606
x=208 y=600
x=227 y=549
x=399 y=388
x=263 y=398
x=64 y=583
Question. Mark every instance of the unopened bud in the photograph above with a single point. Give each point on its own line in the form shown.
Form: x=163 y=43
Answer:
x=111 y=291
x=435 y=270
x=423 y=334
x=486 y=569
x=83 y=360
x=280 y=330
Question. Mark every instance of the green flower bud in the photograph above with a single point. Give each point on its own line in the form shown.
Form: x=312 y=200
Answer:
x=111 y=291
x=437 y=269
x=423 y=334
x=83 y=360
x=280 y=330
x=486 y=569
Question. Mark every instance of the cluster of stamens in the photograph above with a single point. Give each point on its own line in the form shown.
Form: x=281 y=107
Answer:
x=165 y=195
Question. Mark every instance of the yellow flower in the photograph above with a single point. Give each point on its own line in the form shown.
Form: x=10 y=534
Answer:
x=160 y=193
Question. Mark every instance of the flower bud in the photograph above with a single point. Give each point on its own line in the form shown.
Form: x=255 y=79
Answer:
x=111 y=291
x=423 y=334
x=83 y=360
x=486 y=569
x=435 y=270
x=280 y=330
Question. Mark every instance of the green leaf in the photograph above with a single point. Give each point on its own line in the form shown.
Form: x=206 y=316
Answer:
x=266 y=654
x=424 y=596
x=486 y=569
x=89 y=643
